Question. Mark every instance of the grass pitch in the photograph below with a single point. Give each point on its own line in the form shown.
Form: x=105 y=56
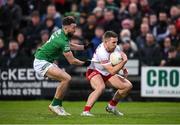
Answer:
x=36 y=112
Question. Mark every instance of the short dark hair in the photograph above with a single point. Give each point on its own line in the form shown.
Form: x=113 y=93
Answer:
x=35 y=14
x=68 y=20
x=100 y=27
x=109 y=34
x=12 y=40
x=48 y=17
x=51 y=5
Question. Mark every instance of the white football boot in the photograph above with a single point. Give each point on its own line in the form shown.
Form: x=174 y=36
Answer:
x=58 y=110
x=86 y=113
x=114 y=111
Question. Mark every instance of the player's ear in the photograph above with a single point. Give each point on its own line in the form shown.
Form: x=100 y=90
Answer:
x=104 y=40
x=65 y=27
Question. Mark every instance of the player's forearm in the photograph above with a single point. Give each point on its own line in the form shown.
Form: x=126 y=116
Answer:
x=76 y=62
x=115 y=69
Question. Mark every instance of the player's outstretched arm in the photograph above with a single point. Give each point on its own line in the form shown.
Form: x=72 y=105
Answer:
x=71 y=59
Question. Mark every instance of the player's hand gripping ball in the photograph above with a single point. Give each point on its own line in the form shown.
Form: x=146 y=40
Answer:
x=115 y=58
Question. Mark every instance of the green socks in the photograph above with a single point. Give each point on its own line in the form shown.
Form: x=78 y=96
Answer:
x=56 y=102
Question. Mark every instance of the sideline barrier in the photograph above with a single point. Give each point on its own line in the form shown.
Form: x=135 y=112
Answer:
x=24 y=82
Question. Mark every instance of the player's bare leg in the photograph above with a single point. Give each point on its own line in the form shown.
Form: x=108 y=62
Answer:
x=123 y=87
x=122 y=84
x=60 y=75
x=98 y=85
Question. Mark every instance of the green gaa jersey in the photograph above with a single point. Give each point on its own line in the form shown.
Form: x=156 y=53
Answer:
x=54 y=47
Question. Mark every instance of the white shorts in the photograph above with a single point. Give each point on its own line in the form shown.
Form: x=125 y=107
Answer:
x=42 y=66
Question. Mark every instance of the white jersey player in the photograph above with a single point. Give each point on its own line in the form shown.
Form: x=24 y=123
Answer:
x=100 y=58
x=101 y=73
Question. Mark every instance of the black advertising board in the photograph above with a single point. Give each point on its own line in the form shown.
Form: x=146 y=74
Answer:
x=25 y=83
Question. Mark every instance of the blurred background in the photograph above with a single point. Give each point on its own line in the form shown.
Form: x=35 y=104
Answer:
x=148 y=30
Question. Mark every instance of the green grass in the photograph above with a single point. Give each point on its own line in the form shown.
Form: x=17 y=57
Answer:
x=36 y=112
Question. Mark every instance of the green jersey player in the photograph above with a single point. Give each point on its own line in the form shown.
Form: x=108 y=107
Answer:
x=57 y=45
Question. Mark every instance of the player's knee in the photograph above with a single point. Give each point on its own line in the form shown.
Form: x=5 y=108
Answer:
x=129 y=86
x=67 y=78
